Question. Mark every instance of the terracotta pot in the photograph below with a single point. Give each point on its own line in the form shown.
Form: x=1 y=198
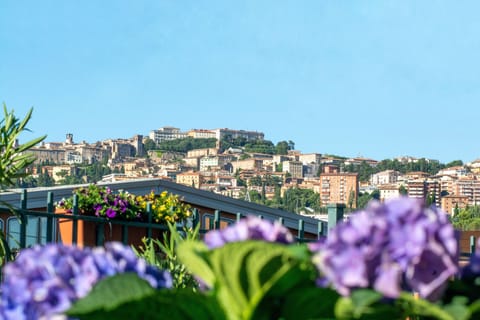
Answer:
x=87 y=232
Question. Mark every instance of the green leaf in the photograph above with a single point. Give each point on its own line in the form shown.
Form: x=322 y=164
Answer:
x=310 y=303
x=160 y=304
x=254 y=273
x=195 y=256
x=458 y=308
x=111 y=292
x=366 y=304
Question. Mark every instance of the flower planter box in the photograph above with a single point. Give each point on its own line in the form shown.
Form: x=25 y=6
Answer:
x=87 y=232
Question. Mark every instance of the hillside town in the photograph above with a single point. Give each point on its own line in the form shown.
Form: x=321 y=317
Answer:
x=239 y=174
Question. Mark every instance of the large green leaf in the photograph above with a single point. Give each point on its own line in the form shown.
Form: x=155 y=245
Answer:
x=111 y=292
x=366 y=304
x=195 y=256
x=247 y=275
x=126 y=296
x=310 y=303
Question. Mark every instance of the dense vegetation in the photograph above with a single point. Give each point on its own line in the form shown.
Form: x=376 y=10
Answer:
x=467 y=219
x=254 y=146
x=365 y=170
x=186 y=144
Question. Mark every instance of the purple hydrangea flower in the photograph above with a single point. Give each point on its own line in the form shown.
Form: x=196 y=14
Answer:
x=390 y=247
x=249 y=228
x=44 y=281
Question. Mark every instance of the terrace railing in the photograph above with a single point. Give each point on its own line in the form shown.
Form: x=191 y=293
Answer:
x=27 y=227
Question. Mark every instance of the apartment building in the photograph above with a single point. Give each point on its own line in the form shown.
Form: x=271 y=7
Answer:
x=202 y=134
x=388 y=191
x=456 y=171
x=447 y=184
x=191 y=179
x=166 y=133
x=415 y=175
x=235 y=134
x=451 y=202
x=214 y=162
x=202 y=152
x=360 y=160
x=295 y=168
x=422 y=188
x=339 y=188
x=311 y=170
x=247 y=164
x=470 y=187
x=385 y=177
x=192 y=163
x=474 y=166
x=309 y=158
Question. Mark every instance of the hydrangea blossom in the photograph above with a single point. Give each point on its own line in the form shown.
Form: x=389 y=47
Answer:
x=249 y=228
x=390 y=247
x=44 y=281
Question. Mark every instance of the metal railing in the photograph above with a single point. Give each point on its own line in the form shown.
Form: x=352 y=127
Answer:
x=47 y=231
x=47 y=220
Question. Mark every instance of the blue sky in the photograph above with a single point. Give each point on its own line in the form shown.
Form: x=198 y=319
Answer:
x=378 y=79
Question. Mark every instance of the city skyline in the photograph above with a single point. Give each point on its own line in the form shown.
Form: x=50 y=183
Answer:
x=378 y=80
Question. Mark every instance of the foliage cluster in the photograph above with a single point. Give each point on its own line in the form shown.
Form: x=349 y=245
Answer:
x=186 y=144
x=13 y=157
x=102 y=201
x=162 y=254
x=365 y=170
x=467 y=218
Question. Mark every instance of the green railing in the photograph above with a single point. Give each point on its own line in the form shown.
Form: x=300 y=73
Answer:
x=41 y=227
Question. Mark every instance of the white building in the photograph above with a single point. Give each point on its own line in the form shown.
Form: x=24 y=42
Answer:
x=385 y=177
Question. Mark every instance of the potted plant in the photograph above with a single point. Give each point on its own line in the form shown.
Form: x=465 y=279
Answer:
x=103 y=202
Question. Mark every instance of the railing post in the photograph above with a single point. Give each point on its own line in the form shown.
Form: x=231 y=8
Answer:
x=281 y=221
x=74 y=219
x=100 y=234
x=216 y=220
x=472 y=245
x=301 y=230
x=50 y=209
x=23 y=219
x=335 y=214
x=149 y=215
x=320 y=230
x=125 y=234
x=239 y=216
x=195 y=218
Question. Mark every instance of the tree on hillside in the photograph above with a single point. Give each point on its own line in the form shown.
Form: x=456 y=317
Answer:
x=454 y=163
x=282 y=147
x=149 y=144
